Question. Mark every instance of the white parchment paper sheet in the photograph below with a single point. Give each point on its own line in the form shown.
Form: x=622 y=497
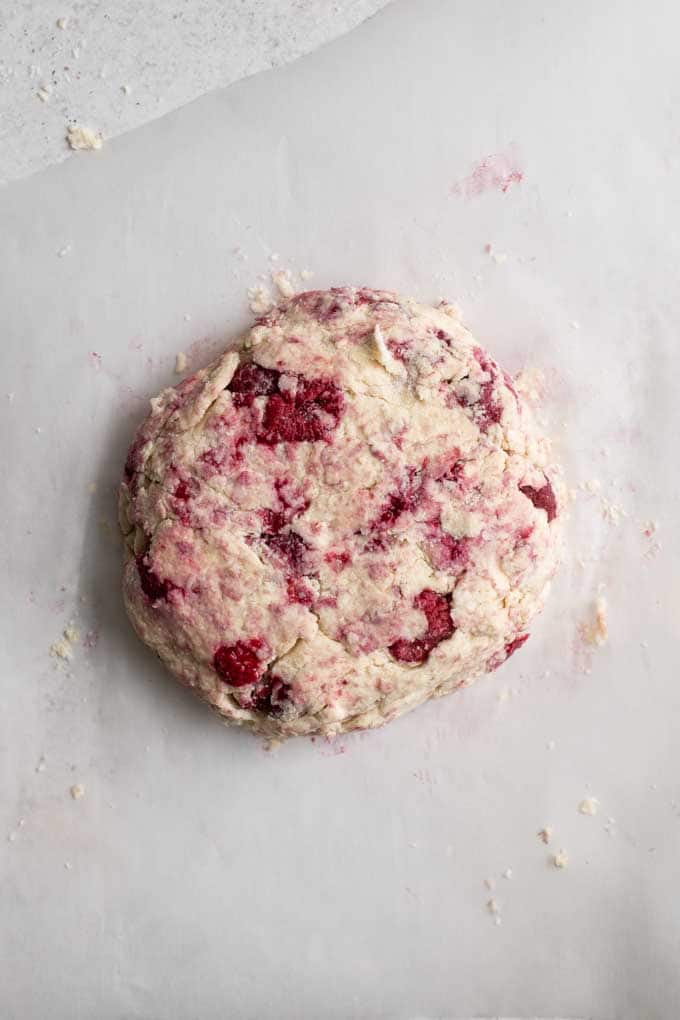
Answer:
x=199 y=875
x=113 y=66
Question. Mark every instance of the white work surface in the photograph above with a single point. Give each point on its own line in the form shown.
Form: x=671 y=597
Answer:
x=201 y=876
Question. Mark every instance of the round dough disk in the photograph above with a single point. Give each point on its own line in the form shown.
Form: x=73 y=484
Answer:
x=349 y=515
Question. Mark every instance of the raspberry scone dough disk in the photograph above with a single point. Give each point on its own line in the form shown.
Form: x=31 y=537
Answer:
x=350 y=515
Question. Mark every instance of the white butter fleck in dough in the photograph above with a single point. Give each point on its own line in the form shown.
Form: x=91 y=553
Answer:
x=352 y=514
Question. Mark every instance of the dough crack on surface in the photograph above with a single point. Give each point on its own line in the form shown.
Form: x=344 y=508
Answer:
x=352 y=515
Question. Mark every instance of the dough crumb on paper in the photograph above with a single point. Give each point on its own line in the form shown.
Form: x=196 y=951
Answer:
x=493 y=906
x=77 y=791
x=560 y=860
x=612 y=513
x=64 y=646
x=589 y=806
x=181 y=363
x=260 y=300
x=545 y=834
x=498 y=257
x=83 y=138
x=283 y=283
x=595 y=631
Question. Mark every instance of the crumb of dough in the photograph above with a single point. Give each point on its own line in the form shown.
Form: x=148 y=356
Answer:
x=530 y=382
x=306 y=274
x=260 y=300
x=83 y=138
x=611 y=512
x=560 y=859
x=507 y=873
x=545 y=834
x=126 y=90
x=181 y=363
x=77 y=791
x=490 y=883
x=589 y=806
x=63 y=648
x=498 y=257
x=494 y=909
x=595 y=630
x=650 y=528
x=42 y=764
x=283 y=283
x=62 y=23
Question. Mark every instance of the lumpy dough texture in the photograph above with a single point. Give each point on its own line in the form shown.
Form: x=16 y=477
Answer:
x=351 y=514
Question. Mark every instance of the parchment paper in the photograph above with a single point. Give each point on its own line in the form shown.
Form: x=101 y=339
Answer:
x=200 y=875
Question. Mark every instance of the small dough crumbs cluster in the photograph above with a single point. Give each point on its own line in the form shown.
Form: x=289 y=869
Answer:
x=83 y=138
x=64 y=647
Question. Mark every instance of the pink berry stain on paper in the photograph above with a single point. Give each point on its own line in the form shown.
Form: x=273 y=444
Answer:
x=493 y=173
